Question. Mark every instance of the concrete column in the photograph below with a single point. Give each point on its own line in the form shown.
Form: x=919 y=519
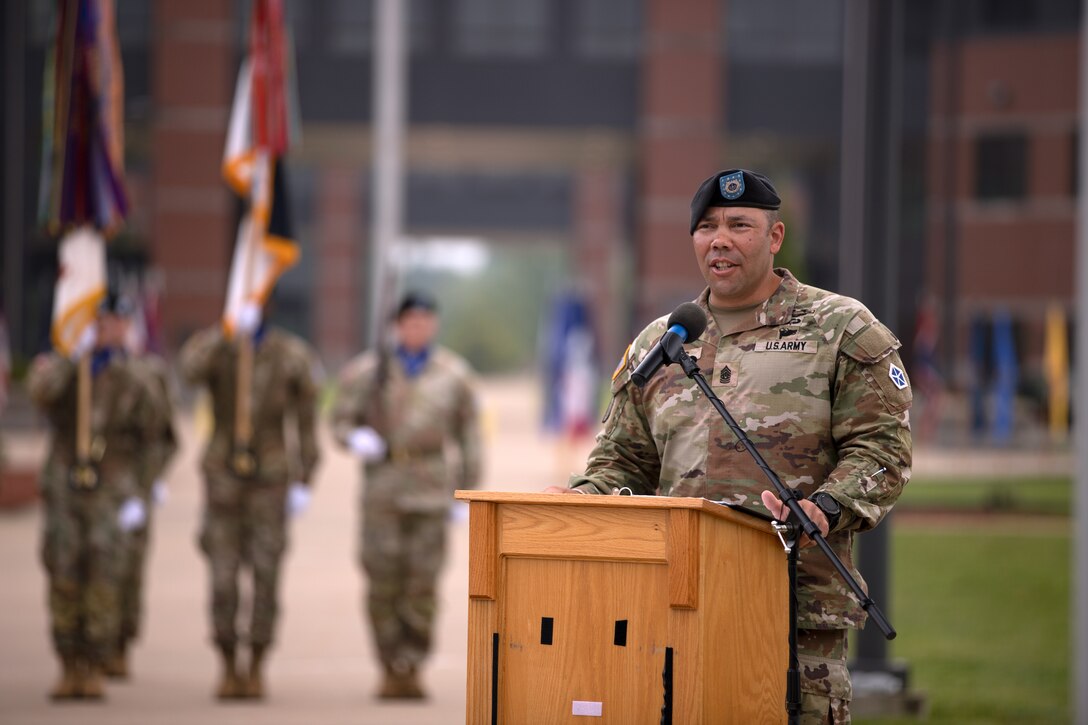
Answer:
x=338 y=249
x=679 y=140
x=194 y=67
x=598 y=238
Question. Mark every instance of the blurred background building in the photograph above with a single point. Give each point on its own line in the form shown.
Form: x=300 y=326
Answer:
x=925 y=150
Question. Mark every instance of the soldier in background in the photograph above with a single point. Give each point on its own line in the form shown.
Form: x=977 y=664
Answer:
x=818 y=385
x=399 y=411
x=162 y=445
x=86 y=518
x=246 y=511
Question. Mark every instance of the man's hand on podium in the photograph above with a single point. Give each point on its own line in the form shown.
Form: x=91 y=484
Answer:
x=780 y=512
x=561 y=489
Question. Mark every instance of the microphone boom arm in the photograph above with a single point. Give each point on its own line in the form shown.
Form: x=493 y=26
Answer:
x=676 y=353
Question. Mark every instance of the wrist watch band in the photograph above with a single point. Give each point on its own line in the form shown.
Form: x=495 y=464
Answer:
x=830 y=507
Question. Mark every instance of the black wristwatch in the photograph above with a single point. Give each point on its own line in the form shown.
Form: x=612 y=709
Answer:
x=831 y=508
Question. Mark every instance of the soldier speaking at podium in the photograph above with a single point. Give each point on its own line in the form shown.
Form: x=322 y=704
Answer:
x=814 y=380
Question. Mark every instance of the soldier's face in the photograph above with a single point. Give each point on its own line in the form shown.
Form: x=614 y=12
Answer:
x=416 y=328
x=111 y=330
x=735 y=248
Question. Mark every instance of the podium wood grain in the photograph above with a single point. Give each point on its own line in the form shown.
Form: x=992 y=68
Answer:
x=586 y=593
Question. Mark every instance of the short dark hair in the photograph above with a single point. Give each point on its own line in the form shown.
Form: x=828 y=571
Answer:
x=417 y=300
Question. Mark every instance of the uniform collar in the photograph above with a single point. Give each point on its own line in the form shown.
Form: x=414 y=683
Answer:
x=413 y=362
x=103 y=356
x=776 y=310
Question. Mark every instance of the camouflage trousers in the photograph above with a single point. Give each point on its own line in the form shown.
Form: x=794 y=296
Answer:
x=825 y=680
x=81 y=547
x=245 y=526
x=131 y=585
x=402 y=554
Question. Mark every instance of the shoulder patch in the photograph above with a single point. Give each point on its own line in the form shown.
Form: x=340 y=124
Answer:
x=898 y=377
x=623 y=364
x=874 y=342
x=622 y=374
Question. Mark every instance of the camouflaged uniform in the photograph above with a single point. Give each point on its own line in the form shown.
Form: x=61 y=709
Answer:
x=161 y=447
x=82 y=543
x=816 y=383
x=407 y=497
x=245 y=518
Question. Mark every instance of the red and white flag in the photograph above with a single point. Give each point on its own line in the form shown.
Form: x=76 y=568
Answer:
x=259 y=133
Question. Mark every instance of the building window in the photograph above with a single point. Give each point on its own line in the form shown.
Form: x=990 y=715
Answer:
x=1001 y=164
x=510 y=28
x=351 y=26
x=1005 y=15
x=300 y=21
x=608 y=29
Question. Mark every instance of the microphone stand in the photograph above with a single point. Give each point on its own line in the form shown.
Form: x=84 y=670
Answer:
x=797 y=522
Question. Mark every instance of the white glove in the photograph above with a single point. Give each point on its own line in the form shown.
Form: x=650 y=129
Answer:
x=86 y=341
x=160 y=494
x=366 y=444
x=298 y=499
x=459 y=512
x=132 y=515
x=249 y=318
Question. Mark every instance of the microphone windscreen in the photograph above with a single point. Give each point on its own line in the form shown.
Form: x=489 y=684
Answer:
x=691 y=317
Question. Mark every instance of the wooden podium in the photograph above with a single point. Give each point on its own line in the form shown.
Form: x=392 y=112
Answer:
x=588 y=609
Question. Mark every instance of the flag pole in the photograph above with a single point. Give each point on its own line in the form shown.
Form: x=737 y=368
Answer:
x=83 y=473
x=244 y=461
x=83 y=409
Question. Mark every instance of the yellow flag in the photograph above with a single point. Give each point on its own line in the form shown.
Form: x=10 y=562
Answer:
x=1056 y=361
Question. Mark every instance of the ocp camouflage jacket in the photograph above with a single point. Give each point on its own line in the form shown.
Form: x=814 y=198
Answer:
x=817 y=384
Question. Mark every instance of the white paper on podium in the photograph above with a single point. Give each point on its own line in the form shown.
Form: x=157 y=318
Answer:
x=586 y=707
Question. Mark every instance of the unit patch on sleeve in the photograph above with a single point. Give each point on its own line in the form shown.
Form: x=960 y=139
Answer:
x=898 y=376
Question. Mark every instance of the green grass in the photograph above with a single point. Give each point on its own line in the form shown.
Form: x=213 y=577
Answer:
x=983 y=621
x=1043 y=495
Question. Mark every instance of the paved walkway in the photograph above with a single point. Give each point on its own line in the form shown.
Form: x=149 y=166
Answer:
x=322 y=670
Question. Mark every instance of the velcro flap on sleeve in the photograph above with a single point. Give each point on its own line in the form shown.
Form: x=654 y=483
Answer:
x=874 y=342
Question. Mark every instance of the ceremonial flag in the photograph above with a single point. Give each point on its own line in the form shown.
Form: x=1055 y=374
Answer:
x=259 y=133
x=1056 y=367
x=81 y=285
x=569 y=371
x=82 y=179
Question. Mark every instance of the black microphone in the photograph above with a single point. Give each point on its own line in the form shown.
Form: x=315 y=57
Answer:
x=685 y=323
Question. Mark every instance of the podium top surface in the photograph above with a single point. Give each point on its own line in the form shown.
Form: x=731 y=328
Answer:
x=743 y=517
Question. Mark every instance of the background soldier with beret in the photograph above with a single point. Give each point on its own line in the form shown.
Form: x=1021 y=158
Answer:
x=399 y=410
x=813 y=378
x=246 y=511
x=87 y=517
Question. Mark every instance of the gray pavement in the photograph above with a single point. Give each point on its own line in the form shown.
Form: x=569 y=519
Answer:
x=322 y=670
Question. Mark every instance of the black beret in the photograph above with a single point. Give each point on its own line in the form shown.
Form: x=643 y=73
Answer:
x=735 y=187
x=417 y=301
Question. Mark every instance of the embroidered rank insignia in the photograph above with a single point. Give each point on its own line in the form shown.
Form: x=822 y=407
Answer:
x=732 y=185
x=898 y=376
x=726 y=375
